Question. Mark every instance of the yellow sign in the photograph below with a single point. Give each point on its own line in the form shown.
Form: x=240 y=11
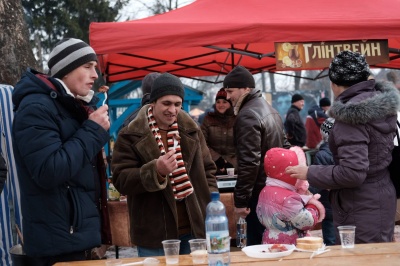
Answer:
x=317 y=55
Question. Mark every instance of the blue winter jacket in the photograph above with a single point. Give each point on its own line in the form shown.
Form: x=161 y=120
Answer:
x=55 y=148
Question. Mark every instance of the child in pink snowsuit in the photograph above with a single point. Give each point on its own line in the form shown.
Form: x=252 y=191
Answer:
x=286 y=209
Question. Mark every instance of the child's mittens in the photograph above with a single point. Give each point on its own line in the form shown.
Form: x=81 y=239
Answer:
x=319 y=206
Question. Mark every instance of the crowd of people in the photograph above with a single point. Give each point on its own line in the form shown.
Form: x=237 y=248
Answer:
x=166 y=164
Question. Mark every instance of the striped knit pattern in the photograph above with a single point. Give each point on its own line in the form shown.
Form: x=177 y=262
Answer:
x=10 y=200
x=180 y=182
x=68 y=55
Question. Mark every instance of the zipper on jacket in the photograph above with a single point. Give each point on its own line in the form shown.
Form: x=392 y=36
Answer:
x=75 y=214
x=71 y=210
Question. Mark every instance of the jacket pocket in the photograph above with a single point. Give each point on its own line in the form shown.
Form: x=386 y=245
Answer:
x=341 y=201
x=75 y=213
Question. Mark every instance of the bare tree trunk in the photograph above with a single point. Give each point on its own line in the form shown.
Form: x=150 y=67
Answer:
x=15 y=51
x=297 y=80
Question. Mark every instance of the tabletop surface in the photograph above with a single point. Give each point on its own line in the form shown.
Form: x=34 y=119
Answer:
x=362 y=254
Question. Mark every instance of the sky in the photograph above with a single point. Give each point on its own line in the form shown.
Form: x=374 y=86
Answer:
x=137 y=9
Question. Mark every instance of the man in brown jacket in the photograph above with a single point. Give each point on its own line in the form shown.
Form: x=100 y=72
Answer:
x=162 y=163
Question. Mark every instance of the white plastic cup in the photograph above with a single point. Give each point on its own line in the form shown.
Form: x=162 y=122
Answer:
x=198 y=248
x=113 y=262
x=230 y=171
x=171 y=250
x=347 y=235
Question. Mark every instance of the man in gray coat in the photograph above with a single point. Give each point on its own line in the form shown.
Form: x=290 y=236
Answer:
x=257 y=129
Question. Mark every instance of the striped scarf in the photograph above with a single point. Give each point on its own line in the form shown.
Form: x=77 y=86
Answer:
x=180 y=182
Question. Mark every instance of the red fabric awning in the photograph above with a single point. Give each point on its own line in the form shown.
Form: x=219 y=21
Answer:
x=209 y=37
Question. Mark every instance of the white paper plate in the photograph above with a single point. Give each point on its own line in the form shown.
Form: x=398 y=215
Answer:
x=262 y=251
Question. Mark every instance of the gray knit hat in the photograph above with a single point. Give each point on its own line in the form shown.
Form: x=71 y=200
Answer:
x=239 y=77
x=69 y=54
x=166 y=84
x=348 y=68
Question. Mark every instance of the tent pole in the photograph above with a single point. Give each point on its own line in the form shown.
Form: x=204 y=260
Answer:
x=232 y=56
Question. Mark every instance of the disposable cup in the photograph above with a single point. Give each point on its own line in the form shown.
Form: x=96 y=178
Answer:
x=113 y=262
x=347 y=235
x=198 y=248
x=171 y=250
x=230 y=171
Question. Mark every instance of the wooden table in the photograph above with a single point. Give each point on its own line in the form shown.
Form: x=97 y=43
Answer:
x=382 y=254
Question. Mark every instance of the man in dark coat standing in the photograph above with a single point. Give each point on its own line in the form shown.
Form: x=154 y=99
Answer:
x=257 y=129
x=294 y=126
x=58 y=139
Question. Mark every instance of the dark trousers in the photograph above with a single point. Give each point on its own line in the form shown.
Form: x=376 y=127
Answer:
x=328 y=229
x=255 y=229
x=49 y=261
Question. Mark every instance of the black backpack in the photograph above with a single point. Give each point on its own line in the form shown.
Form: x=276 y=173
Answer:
x=394 y=166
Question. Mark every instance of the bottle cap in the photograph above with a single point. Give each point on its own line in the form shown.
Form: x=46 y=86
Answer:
x=214 y=196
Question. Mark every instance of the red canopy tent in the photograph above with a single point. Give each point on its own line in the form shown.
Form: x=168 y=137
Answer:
x=209 y=37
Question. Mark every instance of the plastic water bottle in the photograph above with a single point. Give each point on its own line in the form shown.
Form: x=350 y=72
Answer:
x=217 y=232
x=241 y=233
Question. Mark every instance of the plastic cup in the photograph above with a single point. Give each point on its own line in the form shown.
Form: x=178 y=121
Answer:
x=230 y=171
x=113 y=262
x=171 y=250
x=347 y=234
x=198 y=248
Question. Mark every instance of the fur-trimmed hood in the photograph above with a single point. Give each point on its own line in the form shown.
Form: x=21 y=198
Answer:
x=366 y=101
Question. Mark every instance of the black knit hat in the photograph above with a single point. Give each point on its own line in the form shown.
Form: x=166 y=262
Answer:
x=348 y=68
x=239 y=77
x=147 y=82
x=297 y=97
x=69 y=54
x=166 y=84
x=324 y=102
